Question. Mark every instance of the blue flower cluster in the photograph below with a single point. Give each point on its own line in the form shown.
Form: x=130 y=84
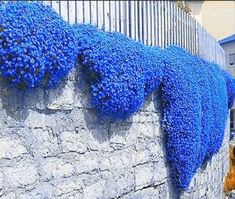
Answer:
x=230 y=82
x=121 y=71
x=194 y=112
x=37 y=48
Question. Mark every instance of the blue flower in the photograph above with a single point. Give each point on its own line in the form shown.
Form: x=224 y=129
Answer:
x=194 y=112
x=37 y=48
x=121 y=71
x=230 y=83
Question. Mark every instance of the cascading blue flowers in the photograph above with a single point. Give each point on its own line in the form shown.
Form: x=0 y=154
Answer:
x=181 y=115
x=193 y=92
x=194 y=111
x=230 y=83
x=37 y=48
x=122 y=72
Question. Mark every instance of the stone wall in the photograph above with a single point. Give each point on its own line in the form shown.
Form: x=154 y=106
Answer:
x=53 y=145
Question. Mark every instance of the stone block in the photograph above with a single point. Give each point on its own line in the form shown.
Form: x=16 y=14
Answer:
x=143 y=175
x=62 y=98
x=73 y=141
x=95 y=191
x=20 y=175
x=42 y=142
x=67 y=186
x=55 y=168
x=87 y=163
x=160 y=171
x=11 y=148
x=40 y=120
x=1 y=181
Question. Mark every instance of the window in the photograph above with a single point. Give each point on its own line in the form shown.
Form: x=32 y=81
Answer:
x=232 y=59
x=232 y=125
x=232 y=119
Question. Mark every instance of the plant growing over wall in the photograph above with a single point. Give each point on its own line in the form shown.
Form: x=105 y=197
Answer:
x=230 y=83
x=37 y=48
x=194 y=112
x=121 y=71
x=194 y=96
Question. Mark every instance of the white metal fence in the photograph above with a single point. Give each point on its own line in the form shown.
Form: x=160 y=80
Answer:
x=152 y=22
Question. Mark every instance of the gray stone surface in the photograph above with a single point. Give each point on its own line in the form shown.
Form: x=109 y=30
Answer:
x=52 y=145
x=231 y=195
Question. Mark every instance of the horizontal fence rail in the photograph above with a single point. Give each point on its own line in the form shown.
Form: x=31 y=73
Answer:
x=159 y=23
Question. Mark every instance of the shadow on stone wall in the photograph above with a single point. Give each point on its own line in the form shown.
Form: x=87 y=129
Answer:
x=98 y=125
x=17 y=103
x=72 y=93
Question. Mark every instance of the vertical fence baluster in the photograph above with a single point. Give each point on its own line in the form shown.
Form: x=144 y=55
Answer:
x=155 y=22
x=145 y=23
x=79 y=11
x=86 y=14
x=160 y=29
x=185 y=31
x=191 y=34
x=106 y=16
x=122 y=16
x=117 y=16
x=177 y=26
x=100 y=14
x=136 y=20
x=63 y=7
x=127 y=18
x=152 y=23
x=72 y=12
x=132 y=20
x=149 y=23
x=154 y=39
x=170 y=23
x=93 y=14
x=188 y=37
x=112 y=15
x=55 y=5
x=140 y=20
x=165 y=36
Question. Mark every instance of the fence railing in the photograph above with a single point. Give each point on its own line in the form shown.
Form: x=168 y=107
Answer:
x=158 y=23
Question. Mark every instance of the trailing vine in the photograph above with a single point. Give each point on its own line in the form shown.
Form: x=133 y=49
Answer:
x=36 y=46
x=38 y=49
x=230 y=83
x=194 y=112
x=121 y=71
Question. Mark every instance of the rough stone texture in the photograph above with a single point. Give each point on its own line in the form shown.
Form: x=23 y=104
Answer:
x=231 y=195
x=52 y=145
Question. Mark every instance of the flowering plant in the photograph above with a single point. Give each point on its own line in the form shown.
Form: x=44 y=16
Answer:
x=37 y=48
x=121 y=71
x=230 y=83
x=194 y=112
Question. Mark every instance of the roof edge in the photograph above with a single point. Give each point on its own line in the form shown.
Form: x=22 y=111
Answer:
x=227 y=39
